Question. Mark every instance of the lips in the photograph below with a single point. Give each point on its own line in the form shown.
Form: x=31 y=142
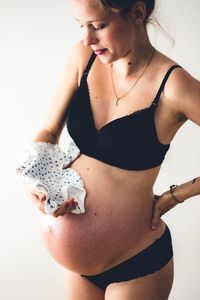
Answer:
x=99 y=51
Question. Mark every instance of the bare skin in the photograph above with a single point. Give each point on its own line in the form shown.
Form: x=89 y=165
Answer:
x=119 y=203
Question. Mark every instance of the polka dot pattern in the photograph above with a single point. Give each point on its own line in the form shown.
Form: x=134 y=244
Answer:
x=45 y=167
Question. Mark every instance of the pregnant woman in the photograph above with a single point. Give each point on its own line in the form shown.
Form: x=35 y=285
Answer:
x=123 y=102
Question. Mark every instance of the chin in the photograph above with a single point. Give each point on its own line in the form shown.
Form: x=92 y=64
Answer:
x=107 y=58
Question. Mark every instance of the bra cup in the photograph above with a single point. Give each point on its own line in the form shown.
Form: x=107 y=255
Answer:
x=129 y=142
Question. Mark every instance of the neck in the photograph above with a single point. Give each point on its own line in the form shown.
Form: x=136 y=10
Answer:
x=133 y=60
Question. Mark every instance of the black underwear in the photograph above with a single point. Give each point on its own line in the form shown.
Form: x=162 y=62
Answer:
x=148 y=261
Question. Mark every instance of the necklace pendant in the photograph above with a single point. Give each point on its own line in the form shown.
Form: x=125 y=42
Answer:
x=116 y=102
x=135 y=82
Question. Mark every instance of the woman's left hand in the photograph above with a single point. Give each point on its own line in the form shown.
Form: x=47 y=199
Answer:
x=162 y=204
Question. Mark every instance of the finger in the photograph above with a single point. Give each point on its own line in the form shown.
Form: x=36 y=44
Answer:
x=162 y=205
x=71 y=201
x=38 y=195
x=41 y=207
x=71 y=206
x=61 y=210
x=170 y=206
x=42 y=196
x=156 y=216
x=156 y=197
x=66 y=207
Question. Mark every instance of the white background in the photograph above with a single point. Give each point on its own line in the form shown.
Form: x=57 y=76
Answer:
x=36 y=40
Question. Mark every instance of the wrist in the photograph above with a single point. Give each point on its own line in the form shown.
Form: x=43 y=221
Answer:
x=184 y=191
x=195 y=183
x=173 y=194
x=46 y=136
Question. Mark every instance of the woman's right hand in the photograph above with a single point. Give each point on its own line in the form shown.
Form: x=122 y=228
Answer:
x=66 y=207
x=39 y=198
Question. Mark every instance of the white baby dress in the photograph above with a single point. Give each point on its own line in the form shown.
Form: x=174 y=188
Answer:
x=44 y=167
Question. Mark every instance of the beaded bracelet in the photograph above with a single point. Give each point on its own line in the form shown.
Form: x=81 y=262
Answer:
x=172 y=188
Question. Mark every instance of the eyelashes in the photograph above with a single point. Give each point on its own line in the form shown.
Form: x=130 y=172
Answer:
x=100 y=27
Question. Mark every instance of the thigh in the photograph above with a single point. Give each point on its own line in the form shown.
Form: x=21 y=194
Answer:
x=150 y=287
x=79 y=288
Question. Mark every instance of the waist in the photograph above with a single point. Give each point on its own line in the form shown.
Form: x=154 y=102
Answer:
x=96 y=170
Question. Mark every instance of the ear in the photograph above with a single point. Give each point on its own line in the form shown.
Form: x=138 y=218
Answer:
x=139 y=12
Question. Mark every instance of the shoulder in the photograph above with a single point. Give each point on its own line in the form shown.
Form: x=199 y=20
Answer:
x=82 y=55
x=182 y=92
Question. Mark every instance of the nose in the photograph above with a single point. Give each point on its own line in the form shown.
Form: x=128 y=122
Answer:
x=89 y=37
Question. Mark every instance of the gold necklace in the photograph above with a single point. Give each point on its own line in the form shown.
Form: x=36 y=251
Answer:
x=134 y=84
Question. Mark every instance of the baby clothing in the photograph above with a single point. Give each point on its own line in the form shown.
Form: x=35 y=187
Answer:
x=44 y=167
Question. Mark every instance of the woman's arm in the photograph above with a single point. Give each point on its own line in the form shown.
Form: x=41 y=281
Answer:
x=168 y=200
x=56 y=116
x=183 y=91
x=185 y=190
x=45 y=135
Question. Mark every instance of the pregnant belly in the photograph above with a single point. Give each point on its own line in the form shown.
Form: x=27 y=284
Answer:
x=114 y=225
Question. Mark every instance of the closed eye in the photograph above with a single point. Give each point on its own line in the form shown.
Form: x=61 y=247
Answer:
x=96 y=28
x=100 y=27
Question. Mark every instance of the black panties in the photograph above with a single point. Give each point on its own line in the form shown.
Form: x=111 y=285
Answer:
x=148 y=261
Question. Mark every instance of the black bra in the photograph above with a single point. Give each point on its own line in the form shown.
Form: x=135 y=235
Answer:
x=129 y=142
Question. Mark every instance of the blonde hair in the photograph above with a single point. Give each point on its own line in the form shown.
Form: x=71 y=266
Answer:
x=123 y=7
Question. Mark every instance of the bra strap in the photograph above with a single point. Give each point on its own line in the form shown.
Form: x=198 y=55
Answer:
x=157 y=97
x=90 y=62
